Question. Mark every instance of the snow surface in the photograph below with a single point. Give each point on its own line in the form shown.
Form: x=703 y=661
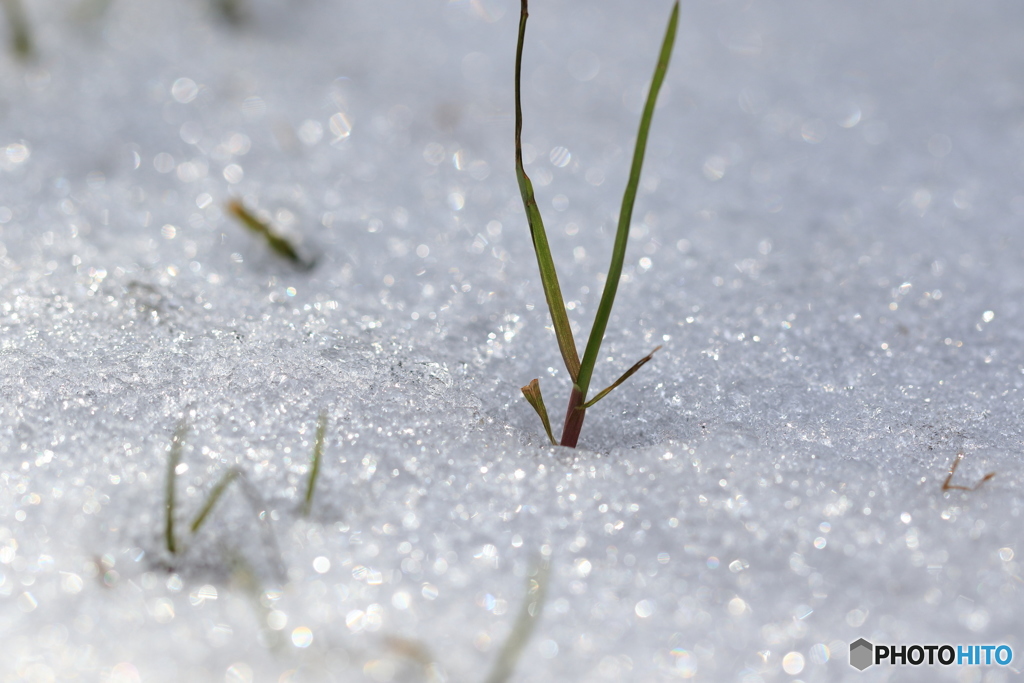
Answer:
x=827 y=244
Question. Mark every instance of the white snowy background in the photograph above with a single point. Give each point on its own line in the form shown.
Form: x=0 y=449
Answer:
x=827 y=244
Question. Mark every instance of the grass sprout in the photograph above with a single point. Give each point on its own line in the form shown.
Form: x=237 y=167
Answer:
x=175 y=545
x=21 y=34
x=278 y=244
x=581 y=371
x=314 y=471
x=522 y=629
x=946 y=486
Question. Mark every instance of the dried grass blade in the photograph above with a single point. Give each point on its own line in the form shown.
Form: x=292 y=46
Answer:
x=414 y=651
x=947 y=486
x=532 y=393
x=611 y=283
x=626 y=375
x=548 y=275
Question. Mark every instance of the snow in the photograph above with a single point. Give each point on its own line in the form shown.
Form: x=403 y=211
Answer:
x=826 y=244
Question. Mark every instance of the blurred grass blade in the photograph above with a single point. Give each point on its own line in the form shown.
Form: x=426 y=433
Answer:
x=626 y=375
x=548 y=276
x=529 y=614
x=417 y=652
x=244 y=576
x=21 y=35
x=231 y=11
x=259 y=509
x=314 y=472
x=173 y=460
x=532 y=393
x=215 y=494
x=611 y=283
x=278 y=244
x=91 y=10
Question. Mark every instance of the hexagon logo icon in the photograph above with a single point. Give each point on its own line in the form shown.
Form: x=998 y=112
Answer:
x=861 y=654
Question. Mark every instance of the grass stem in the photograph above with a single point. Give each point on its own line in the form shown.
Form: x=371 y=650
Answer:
x=574 y=416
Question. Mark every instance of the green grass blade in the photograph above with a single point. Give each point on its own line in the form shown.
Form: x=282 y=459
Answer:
x=215 y=496
x=231 y=11
x=626 y=375
x=170 y=503
x=279 y=245
x=548 y=276
x=611 y=284
x=21 y=34
x=532 y=393
x=526 y=621
x=314 y=472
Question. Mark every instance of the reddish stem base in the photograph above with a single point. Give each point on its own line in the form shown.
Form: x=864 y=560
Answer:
x=573 y=419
